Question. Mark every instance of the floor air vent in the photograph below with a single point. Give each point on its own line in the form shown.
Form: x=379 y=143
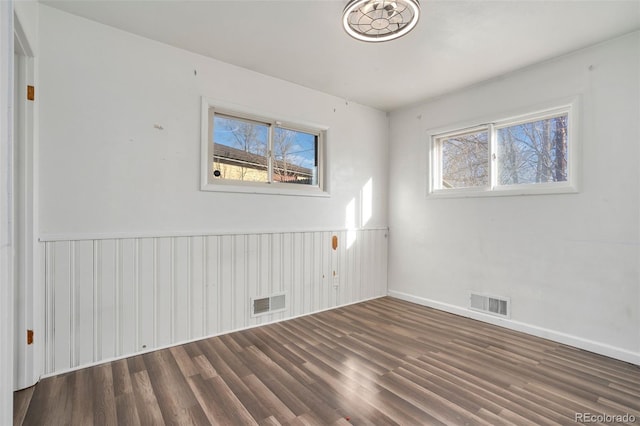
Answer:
x=490 y=305
x=268 y=305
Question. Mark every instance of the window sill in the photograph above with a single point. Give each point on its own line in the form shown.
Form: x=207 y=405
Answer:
x=513 y=190
x=265 y=189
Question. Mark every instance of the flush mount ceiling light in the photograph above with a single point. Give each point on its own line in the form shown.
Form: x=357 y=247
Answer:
x=380 y=20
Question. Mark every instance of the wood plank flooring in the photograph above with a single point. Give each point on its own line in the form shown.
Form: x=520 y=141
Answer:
x=383 y=361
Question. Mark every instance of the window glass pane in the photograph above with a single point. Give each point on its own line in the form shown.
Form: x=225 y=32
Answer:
x=534 y=152
x=240 y=149
x=295 y=157
x=465 y=160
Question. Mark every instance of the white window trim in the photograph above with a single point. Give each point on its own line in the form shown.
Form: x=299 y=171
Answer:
x=572 y=185
x=274 y=188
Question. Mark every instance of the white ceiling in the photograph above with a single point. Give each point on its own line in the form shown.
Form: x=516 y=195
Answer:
x=456 y=43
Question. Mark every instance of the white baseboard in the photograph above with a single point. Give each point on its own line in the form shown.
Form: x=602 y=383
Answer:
x=556 y=336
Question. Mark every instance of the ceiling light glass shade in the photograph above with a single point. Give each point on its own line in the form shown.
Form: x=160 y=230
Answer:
x=380 y=20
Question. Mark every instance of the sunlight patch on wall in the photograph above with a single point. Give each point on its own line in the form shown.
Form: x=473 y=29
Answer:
x=367 y=201
x=350 y=222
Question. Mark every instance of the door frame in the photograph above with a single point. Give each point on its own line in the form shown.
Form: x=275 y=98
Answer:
x=6 y=211
x=29 y=303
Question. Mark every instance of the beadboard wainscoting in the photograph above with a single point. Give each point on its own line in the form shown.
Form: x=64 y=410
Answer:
x=108 y=298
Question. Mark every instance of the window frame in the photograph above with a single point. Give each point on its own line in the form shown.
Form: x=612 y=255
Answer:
x=208 y=183
x=492 y=125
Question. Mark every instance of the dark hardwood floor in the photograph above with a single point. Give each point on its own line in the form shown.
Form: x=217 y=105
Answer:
x=383 y=361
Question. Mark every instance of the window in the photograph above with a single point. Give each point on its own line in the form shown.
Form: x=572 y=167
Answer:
x=529 y=154
x=465 y=159
x=245 y=152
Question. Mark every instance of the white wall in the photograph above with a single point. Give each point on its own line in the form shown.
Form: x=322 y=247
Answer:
x=105 y=169
x=569 y=263
x=137 y=257
x=26 y=11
